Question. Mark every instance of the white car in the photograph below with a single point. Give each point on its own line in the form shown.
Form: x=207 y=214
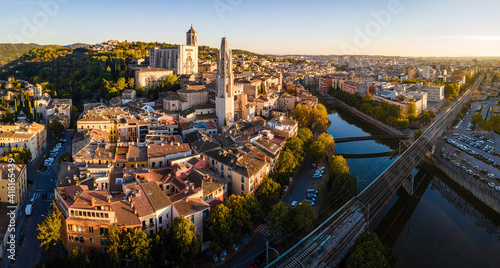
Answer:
x=316 y=176
x=491 y=184
x=294 y=204
x=491 y=175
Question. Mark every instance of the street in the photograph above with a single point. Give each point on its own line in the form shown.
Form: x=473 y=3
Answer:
x=43 y=182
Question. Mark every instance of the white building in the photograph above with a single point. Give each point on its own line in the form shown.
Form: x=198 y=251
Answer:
x=435 y=92
x=182 y=59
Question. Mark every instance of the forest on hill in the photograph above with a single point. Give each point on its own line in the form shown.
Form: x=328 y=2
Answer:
x=10 y=52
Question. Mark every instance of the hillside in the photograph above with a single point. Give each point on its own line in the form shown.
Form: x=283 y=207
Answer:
x=10 y=52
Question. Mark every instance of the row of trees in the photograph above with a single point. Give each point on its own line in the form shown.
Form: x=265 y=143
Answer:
x=179 y=245
x=382 y=111
x=292 y=223
x=341 y=185
x=492 y=124
x=368 y=251
x=228 y=222
x=316 y=119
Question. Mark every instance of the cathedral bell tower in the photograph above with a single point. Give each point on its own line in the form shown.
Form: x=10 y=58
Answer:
x=192 y=37
x=224 y=99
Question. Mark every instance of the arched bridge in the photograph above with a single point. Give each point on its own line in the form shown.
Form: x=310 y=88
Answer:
x=365 y=138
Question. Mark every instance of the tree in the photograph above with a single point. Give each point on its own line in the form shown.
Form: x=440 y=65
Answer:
x=279 y=217
x=241 y=219
x=184 y=241
x=477 y=119
x=55 y=128
x=343 y=188
x=412 y=111
x=269 y=193
x=318 y=150
x=306 y=136
x=295 y=145
x=425 y=117
x=301 y=114
x=218 y=227
x=318 y=119
x=417 y=134
x=172 y=82
x=368 y=251
x=367 y=98
x=50 y=230
x=432 y=113
x=338 y=166
x=114 y=248
x=285 y=167
x=303 y=218
x=130 y=82
x=120 y=83
x=137 y=246
x=252 y=205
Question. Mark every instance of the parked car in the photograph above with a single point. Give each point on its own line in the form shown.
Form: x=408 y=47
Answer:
x=294 y=204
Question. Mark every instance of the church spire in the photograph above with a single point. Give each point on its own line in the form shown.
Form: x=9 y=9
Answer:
x=191 y=37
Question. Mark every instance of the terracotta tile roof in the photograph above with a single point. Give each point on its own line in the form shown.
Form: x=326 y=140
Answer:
x=190 y=206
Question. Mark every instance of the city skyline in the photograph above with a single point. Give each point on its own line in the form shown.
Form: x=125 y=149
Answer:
x=392 y=27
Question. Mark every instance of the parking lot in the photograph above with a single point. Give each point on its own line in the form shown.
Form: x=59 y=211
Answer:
x=464 y=150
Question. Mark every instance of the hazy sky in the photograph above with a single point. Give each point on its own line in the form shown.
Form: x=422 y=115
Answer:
x=382 y=27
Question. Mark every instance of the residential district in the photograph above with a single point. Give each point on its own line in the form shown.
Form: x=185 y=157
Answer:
x=140 y=163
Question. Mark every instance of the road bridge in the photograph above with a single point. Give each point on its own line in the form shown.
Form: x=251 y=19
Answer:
x=375 y=137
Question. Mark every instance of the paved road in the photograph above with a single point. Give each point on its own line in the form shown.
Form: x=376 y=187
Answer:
x=298 y=188
x=29 y=246
x=247 y=255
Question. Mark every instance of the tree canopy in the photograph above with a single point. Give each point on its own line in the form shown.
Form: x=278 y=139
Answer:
x=315 y=118
x=185 y=244
x=55 y=128
x=368 y=251
x=49 y=231
x=269 y=193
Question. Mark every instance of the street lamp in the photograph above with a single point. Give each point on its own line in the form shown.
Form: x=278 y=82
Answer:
x=267 y=252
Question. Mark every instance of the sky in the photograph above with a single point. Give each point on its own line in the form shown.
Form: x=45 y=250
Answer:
x=316 y=27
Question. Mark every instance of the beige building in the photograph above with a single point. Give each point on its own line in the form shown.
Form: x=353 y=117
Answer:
x=32 y=137
x=148 y=77
x=16 y=188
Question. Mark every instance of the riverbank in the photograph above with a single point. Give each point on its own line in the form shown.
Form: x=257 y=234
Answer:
x=330 y=101
x=478 y=188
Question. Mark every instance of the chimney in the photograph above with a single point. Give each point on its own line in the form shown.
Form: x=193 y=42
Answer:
x=93 y=202
x=210 y=178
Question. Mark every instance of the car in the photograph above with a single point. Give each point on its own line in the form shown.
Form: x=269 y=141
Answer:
x=235 y=247
x=312 y=199
x=497 y=188
x=469 y=171
x=321 y=167
x=221 y=256
x=294 y=204
x=216 y=259
x=312 y=195
x=63 y=140
x=32 y=200
x=313 y=165
x=312 y=191
x=491 y=184
x=491 y=175
x=285 y=189
x=316 y=176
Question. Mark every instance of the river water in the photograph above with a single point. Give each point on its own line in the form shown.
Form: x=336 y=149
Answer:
x=440 y=226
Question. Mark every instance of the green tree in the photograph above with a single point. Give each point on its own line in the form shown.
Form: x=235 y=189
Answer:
x=279 y=218
x=285 y=167
x=252 y=205
x=172 y=82
x=306 y=136
x=301 y=113
x=137 y=246
x=303 y=218
x=184 y=241
x=318 y=150
x=120 y=83
x=367 y=98
x=338 y=166
x=343 y=188
x=55 y=128
x=295 y=145
x=318 y=119
x=114 y=248
x=241 y=219
x=417 y=134
x=477 y=119
x=425 y=117
x=20 y=155
x=269 y=193
x=49 y=232
x=412 y=111
x=432 y=113
x=130 y=82
x=368 y=251
x=218 y=227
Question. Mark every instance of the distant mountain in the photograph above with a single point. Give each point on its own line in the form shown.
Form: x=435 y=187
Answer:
x=10 y=52
x=77 y=45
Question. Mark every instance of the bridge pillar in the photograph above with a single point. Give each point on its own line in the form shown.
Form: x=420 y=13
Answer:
x=408 y=184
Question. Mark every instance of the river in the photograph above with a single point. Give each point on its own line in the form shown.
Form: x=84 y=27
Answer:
x=440 y=226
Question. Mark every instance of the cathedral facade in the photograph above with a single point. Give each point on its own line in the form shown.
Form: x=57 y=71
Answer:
x=182 y=59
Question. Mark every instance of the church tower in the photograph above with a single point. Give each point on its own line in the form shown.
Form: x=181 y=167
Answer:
x=224 y=99
x=192 y=37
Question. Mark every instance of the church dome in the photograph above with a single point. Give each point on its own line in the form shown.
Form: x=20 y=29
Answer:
x=191 y=30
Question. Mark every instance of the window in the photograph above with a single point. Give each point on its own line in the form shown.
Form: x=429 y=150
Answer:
x=161 y=163
x=192 y=218
x=160 y=220
x=103 y=231
x=91 y=240
x=80 y=229
x=243 y=187
x=70 y=227
x=70 y=238
x=91 y=230
x=221 y=167
x=204 y=214
x=104 y=242
x=242 y=179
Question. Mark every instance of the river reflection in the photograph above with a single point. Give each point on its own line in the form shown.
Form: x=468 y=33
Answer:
x=447 y=228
